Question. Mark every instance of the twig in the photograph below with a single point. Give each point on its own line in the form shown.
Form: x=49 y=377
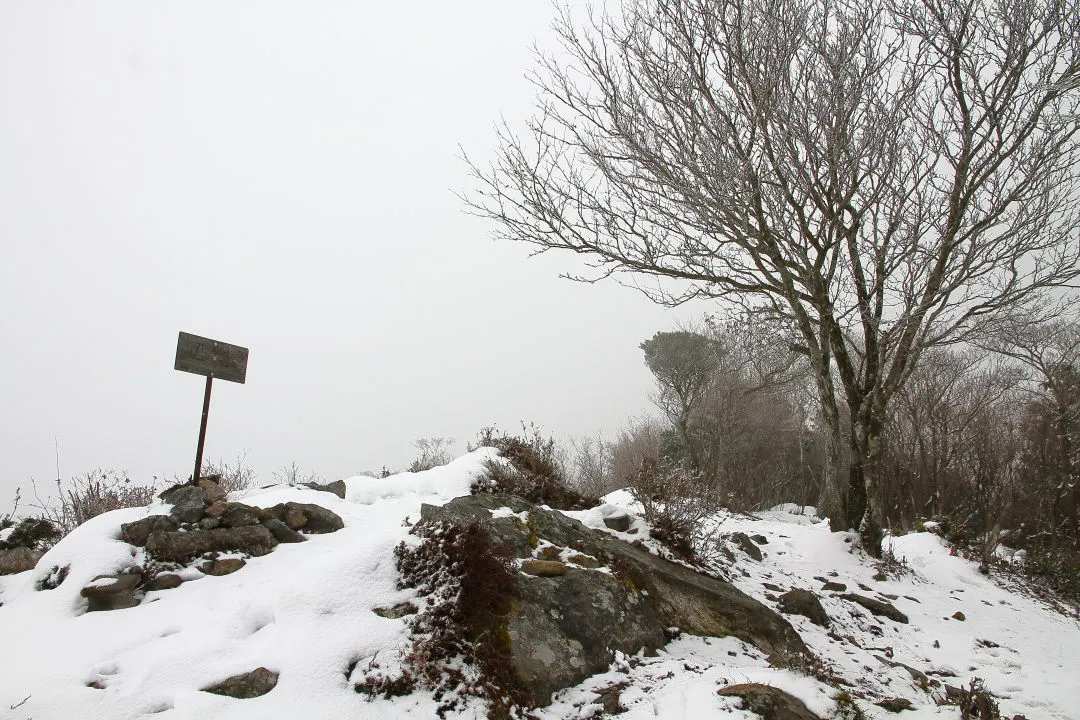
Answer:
x=18 y=705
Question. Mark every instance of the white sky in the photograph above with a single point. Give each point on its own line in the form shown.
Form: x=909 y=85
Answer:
x=279 y=175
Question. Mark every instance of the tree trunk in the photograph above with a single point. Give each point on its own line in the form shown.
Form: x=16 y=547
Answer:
x=862 y=509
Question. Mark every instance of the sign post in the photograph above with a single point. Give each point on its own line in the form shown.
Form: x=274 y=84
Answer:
x=214 y=359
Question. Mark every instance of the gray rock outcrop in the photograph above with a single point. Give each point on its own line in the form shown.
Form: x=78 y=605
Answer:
x=568 y=627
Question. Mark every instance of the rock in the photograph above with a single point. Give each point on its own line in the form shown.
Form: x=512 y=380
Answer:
x=164 y=581
x=805 y=603
x=895 y=704
x=543 y=568
x=111 y=592
x=565 y=630
x=189 y=502
x=319 y=519
x=248 y=685
x=238 y=515
x=830 y=586
x=17 y=560
x=181 y=547
x=877 y=607
x=760 y=539
x=282 y=532
x=337 y=487
x=209 y=484
x=307 y=517
x=618 y=523
x=774 y=588
x=959 y=616
x=769 y=702
x=917 y=675
x=225 y=566
x=747 y=545
x=397 y=611
x=609 y=698
x=137 y=532
x=209 y=523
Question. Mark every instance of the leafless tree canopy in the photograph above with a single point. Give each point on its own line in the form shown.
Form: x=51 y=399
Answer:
x=883 y=176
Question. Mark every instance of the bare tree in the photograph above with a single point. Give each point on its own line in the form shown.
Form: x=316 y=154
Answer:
x=1051 y=350
x=883 y=176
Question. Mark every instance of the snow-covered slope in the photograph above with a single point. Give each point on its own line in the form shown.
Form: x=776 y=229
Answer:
x=305 y=611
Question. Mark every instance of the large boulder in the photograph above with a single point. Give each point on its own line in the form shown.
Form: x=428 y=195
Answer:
x=567 y=627
x=183 y=546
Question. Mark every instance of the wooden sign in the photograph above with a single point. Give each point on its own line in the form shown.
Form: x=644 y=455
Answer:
x=211 y=358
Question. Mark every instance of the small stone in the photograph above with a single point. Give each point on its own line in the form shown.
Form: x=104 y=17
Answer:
x=137 y=532
x=238 y=515
x=585 y=561
x=831 y=586
x=337 y=488
x=543 y=568
x=209 y=484
x=618 y=523
x=247 y=685
x=747 y=545
x=959 y=616
x=282 y=532
x=805 y=603
x=319 y=519
x=222 y=567
x=164 y=581
x=760 y=539
x=397 y=611
x=769 y=702
x=609 y=698
x=877 y=607
x=895 y=704
x=111 y=592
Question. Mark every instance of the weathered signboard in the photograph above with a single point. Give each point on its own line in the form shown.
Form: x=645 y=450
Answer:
x=212 y=358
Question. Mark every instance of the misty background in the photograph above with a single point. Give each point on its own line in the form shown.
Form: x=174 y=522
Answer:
x=280 y=176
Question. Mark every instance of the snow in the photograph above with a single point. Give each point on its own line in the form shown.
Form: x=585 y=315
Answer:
x=305 y=611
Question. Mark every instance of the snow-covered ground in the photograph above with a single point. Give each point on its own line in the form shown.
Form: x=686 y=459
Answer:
x=305 y=611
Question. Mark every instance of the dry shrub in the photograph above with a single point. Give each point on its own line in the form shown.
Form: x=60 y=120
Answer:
x=976 y=702
x=234 y=476
x=96 y=492
x=675 y=504
x=461 y=646
x=534 y=473
x=432 y=452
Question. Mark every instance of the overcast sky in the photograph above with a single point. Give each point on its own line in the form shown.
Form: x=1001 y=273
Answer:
x=279 y=175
